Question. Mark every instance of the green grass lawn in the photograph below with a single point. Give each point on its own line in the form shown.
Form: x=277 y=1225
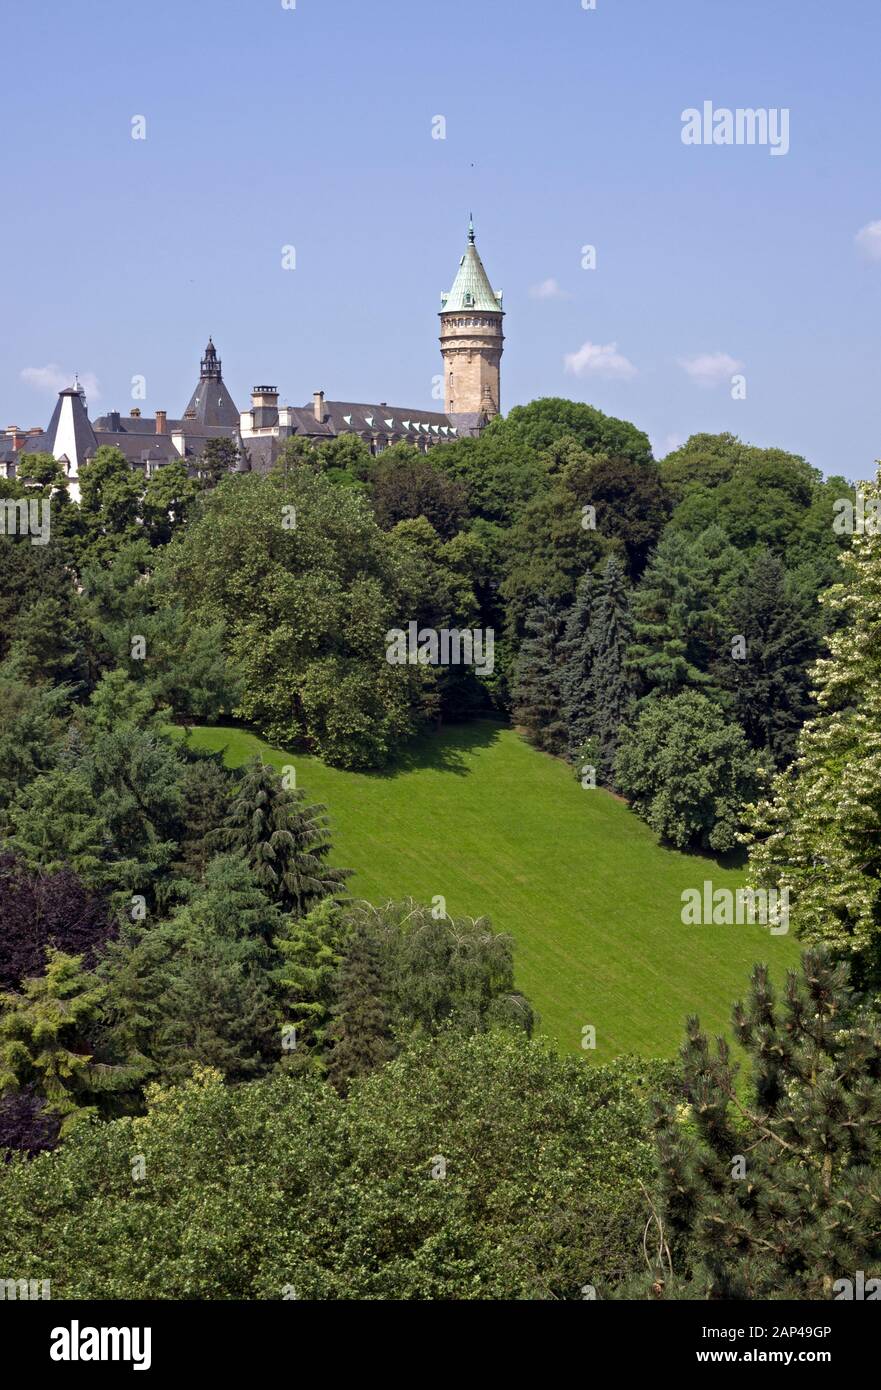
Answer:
x=589 y=896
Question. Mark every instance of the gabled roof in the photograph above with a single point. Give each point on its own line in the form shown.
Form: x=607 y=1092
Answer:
x=140 y=448
x=146 y=424
x=471 y=287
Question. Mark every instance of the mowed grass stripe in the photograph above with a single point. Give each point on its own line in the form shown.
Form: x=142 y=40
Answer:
x=591 y=899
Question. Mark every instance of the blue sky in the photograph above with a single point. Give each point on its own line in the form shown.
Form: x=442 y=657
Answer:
x=312 y=127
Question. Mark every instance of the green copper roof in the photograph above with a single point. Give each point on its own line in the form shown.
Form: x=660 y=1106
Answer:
x=471 y=287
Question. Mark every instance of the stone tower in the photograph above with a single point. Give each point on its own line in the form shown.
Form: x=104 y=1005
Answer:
x=471 y=338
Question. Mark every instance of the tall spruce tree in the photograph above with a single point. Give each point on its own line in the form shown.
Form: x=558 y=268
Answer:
x=536 y=689
x=197 y=988
x=769 y=683
x=611 y=687
x=360 y=1030
x=284 y=840
x=670 y=619
x=206 y=788
x=311 y=950
x=774 y=1191
x=576 y=651
x=819 y=835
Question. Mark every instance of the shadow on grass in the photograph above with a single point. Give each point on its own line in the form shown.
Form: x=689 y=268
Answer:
x=737 y=858
x=443 y=750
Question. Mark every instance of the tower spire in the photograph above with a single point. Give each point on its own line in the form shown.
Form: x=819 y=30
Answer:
x=210 y=365
x=471 y=337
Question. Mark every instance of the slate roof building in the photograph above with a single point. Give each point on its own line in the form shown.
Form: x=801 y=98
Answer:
x=471 y=345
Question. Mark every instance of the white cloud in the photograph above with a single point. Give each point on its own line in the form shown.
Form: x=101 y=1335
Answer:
x=868 y=239
x=548 y=289
x=53 y=379
x=710 y=368
x=592 y=359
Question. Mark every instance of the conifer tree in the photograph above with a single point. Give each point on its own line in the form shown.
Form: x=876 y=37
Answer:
x=577 y=654
x=769 y=683
x=44 y=1042
x=774 y=1191
x=820 y=832
x=360 y=1030
x=611 y=689
x=284 y=840
x=311 y=950
x=670 y=608
x=536 y=691
x=206 y=788
x=198 y=987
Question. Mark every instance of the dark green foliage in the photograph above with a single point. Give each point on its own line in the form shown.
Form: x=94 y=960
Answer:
x=595 y=684
x=110 y=503
x=552 y=542
x=677 y=612
x=411 y=485
x=295 y=1193
x=302 y=582
x=29 y=574
x=801 y=1208
x=360 y=1033
x=111 y=811
x=541 y=423
x=284 y=840
x=439 y=580
x=218 y=458
x=536 y=687
x=168 y=502
x=769 y=687
x=632 y=506
x=688 y=771
x=500 y=474
x=206 y=790
x=439 y=972
x=197 y=988
x=577 y=657
x=180 y=662
x=32 y=723
x=608 y=639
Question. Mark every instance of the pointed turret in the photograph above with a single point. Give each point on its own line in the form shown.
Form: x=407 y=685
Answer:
x=211 y=403
x=471 y=337
x=70 y=436
x=210 y=365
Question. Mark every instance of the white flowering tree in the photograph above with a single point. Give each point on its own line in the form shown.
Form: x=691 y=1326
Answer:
x=819 y=834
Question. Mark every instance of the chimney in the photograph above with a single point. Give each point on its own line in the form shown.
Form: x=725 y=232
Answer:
x=160 y=421
x=264 y=407
x=136 y=412
x=318 y=406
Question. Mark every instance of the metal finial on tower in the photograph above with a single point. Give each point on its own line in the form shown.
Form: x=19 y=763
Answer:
x=210 y=367
x=471 y=227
